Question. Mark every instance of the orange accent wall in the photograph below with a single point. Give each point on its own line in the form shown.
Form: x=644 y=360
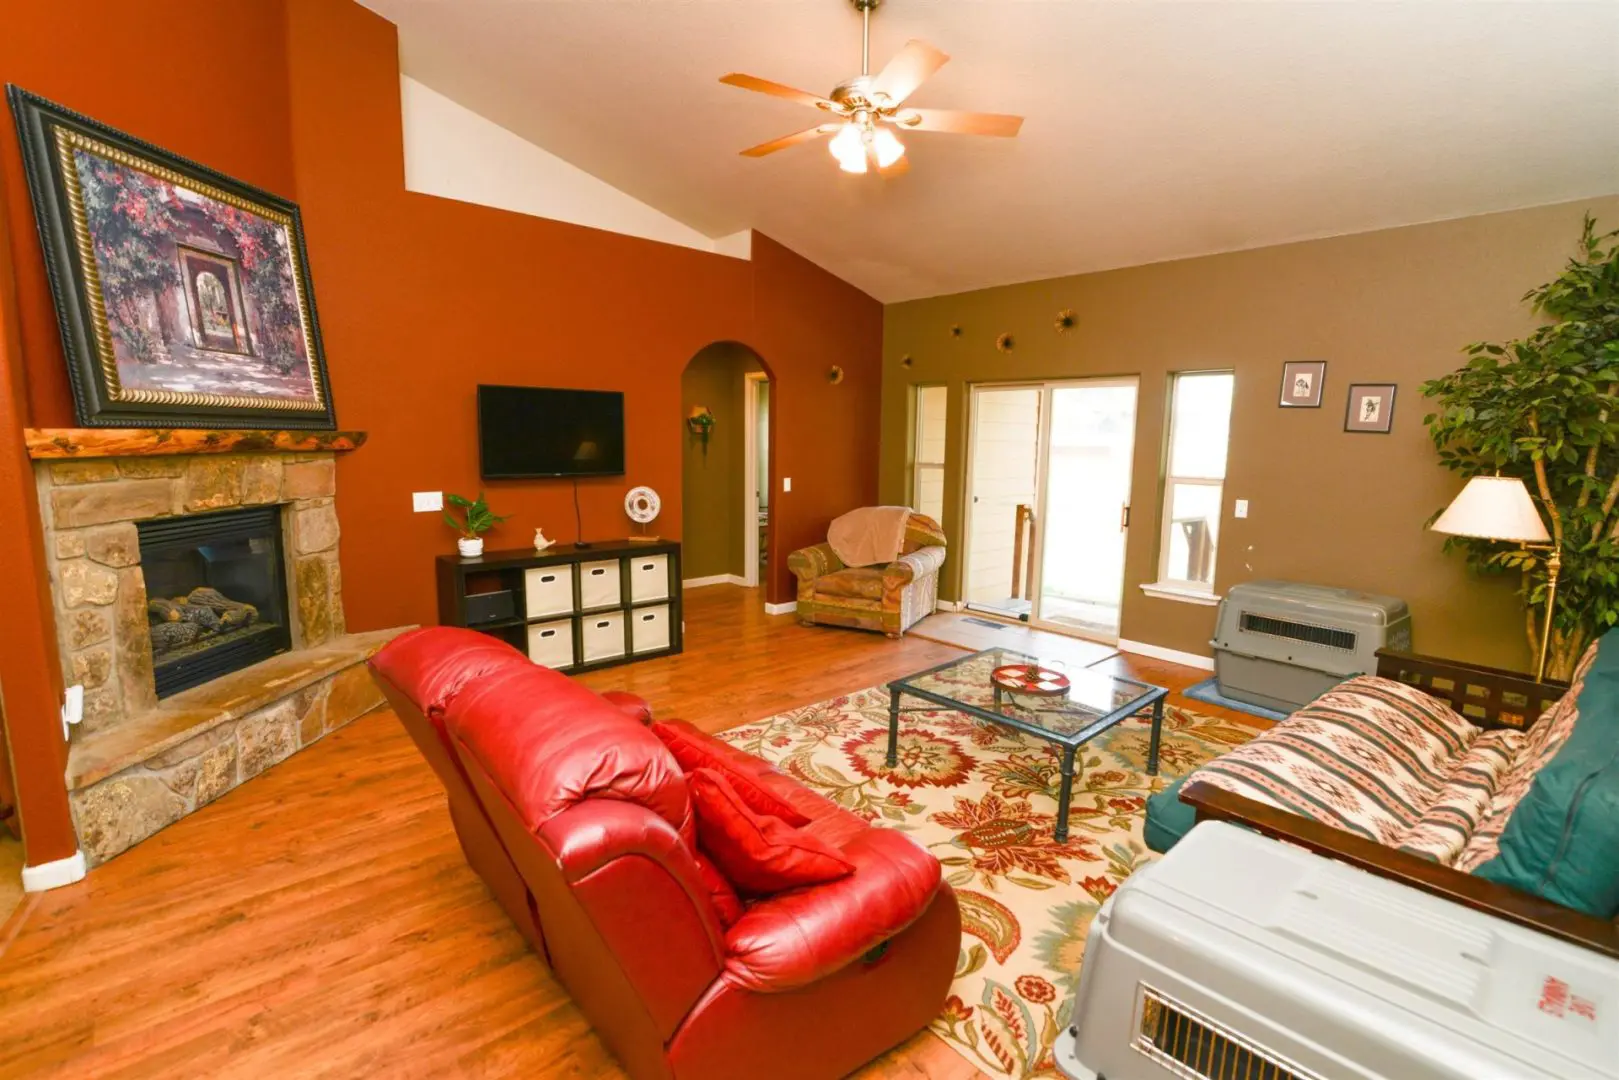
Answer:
x=421 y=298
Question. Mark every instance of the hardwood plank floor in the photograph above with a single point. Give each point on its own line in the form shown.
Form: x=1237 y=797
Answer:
x=319 y=920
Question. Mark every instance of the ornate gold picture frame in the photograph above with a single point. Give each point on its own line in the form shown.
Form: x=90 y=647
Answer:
x=183 y=296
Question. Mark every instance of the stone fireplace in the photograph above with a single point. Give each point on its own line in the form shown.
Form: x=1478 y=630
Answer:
x=198 y=601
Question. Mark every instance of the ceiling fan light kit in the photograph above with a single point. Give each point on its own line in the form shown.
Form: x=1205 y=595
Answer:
x=869 y=108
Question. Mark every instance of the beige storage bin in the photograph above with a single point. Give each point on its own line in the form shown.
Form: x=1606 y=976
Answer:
x=549 y=590
x=603 y=636
x=649 y=629
x=649 y=578
x=598 y=584
x=551 y=644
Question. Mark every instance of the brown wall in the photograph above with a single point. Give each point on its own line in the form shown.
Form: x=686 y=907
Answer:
x=311 y=111
x=1325 y=506
x=713 y=484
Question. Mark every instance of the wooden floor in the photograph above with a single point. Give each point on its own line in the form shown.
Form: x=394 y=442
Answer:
x=319 y=920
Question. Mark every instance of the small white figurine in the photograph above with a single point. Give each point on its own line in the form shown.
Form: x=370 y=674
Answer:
x=540 y=541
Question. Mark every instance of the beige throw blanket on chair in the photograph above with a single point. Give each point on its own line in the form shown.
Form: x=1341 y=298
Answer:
x=869 y=536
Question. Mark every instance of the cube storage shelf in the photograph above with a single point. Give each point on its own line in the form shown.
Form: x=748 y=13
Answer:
x=572 y=609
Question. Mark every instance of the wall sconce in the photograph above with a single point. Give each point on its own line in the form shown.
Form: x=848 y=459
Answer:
x=701 y=422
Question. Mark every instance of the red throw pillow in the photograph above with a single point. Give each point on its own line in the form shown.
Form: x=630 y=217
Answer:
x=757 y=853
x=693 y=752
x=727 y=904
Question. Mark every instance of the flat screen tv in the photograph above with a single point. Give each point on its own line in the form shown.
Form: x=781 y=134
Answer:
x=526 y=432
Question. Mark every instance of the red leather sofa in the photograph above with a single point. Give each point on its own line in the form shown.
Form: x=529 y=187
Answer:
x=578 y=818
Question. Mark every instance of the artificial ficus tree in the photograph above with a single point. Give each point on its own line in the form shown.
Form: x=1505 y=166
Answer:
x=1546 y=410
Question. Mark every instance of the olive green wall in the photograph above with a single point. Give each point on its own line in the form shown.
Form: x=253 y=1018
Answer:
x=1325 y=506
x=713 y=482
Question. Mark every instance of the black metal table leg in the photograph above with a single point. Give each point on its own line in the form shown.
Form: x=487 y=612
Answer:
x=1067 y=791
x=1157 y=736
x=893 y=727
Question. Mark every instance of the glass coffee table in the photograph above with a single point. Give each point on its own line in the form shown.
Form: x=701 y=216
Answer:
x=1093 y=703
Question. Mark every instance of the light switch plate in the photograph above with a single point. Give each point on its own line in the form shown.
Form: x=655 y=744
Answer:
x=786 y=483
x=1241 y=509
x=424 y=502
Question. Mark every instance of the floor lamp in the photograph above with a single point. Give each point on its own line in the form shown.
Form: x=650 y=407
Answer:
x=1499 y=508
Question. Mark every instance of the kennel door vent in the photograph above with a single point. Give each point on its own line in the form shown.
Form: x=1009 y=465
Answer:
x=1193 y=1046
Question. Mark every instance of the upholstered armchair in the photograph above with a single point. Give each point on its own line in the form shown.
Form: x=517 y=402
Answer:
x=891 y=598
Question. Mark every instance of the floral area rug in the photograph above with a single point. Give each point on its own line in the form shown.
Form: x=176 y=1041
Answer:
x=983 y=798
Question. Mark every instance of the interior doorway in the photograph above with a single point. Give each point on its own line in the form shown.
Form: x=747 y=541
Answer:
x=1048 y=501
x=756 y=469
x=725 y=467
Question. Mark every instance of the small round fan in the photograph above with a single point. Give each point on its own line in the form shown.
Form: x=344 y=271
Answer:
x=642 y=505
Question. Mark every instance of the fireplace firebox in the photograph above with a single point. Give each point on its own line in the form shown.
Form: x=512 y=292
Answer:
x=216 y=594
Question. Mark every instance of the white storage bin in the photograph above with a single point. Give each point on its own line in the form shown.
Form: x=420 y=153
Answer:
x=551 y=644
x=598 y=584
x=604 y=635
x=649 y=578
x=549 y=590
x=649 y=629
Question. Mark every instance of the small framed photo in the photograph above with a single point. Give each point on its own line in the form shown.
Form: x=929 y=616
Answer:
x=1371 y=408
x=1302 y=382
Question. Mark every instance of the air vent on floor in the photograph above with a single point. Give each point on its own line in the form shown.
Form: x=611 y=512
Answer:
x=1190 y=1045
x=1327 y=636
x=991 y=623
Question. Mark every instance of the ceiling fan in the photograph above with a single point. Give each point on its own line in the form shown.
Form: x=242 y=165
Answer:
x=869 y=107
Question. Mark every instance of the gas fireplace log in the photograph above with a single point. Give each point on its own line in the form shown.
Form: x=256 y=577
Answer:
x=204 y=618
x=160 y=610
x=172 y=635
x=234 y=612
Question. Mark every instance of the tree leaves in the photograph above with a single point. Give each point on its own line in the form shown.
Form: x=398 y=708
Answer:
x=1546 y=410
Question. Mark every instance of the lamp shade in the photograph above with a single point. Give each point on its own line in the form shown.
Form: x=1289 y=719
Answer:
x=1493 y=508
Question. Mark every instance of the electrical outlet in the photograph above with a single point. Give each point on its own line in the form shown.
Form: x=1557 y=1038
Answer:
x=786 y=483
x=1241 y=509
x=72 y=708
x=426 y=502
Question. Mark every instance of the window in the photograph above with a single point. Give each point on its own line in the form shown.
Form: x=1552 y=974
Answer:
x=1199 y=431
x=927 y=476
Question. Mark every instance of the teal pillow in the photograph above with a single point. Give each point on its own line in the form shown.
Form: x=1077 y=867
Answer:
x=1562 y=841
x=1168 y=819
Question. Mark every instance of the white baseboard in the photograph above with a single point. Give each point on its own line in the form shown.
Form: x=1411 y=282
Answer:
x=782 y=609
x=1173 y=656
x=947 y=605
x=714 y=579
x=53 y=875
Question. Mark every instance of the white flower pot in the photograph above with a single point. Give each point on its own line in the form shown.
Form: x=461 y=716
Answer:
x=470 y=546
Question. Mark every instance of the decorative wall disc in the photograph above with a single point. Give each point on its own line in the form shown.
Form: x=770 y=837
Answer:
x=642 y=504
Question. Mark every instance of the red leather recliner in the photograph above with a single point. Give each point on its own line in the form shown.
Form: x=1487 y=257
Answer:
x=578 y=818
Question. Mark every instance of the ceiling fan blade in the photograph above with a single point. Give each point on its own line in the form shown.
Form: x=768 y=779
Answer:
x=788 y=140
x=907 y=70
x=776 y=89
x=958 y=123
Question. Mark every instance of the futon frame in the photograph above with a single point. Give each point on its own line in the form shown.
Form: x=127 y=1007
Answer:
x=1487 y=697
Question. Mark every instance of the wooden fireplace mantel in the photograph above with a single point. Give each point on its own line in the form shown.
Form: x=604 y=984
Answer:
x=80 y=443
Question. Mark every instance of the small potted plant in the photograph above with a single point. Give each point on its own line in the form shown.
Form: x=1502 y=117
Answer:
x=479 y=520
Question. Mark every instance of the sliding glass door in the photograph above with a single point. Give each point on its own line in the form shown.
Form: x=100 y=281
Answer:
x=1090 y=440
x=1003 y=486
x=1048 y=502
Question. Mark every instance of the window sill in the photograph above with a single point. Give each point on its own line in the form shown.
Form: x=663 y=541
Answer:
x=1167 y=591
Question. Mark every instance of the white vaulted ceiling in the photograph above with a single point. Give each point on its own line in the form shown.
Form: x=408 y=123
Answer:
x=1154 y=130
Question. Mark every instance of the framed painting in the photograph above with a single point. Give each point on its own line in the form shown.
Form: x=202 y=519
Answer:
x=1302 y=382
x=1370 y=408
x=183 y=296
